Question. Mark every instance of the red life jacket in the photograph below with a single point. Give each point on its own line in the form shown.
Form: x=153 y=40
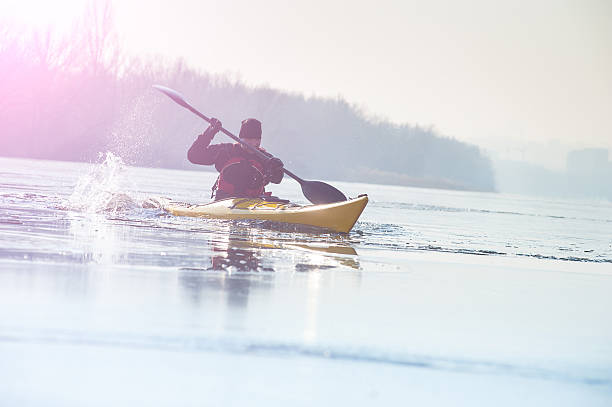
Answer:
x=241 y=175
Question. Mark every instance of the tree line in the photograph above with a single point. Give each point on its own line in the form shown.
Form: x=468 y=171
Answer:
x=71 y=96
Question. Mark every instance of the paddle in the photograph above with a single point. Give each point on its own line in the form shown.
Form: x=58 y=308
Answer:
x=316 y=192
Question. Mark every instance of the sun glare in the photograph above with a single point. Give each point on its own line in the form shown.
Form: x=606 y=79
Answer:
x=37 y=14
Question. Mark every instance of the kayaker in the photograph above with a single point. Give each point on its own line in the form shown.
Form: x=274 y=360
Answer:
x=241 y=172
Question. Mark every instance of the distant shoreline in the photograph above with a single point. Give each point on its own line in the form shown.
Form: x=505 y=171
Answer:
x=366 y=175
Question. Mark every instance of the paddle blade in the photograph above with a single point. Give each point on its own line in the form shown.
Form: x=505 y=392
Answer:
x=172 y=94
x=319 y=192
x=178 y=98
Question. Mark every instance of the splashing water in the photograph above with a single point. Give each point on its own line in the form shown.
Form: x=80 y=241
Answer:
x=102 y=189
x=133 y=132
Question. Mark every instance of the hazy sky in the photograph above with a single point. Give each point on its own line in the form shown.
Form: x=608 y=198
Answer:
x=522 y=79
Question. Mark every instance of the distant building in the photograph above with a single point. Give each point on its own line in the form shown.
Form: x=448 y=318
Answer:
x=590 y=161
x=589 y=173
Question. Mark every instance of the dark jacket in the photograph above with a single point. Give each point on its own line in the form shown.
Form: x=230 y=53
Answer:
x=201 y=152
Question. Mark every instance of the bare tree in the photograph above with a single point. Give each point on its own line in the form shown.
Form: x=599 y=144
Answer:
x=101 y=50
x=72 y=96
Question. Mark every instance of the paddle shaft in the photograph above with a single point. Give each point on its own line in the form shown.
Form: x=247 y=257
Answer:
x=195 y=111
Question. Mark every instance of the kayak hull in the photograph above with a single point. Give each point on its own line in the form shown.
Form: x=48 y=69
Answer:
x=338 y=216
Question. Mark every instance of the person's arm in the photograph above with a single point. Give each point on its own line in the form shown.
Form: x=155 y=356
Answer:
x=201 y=152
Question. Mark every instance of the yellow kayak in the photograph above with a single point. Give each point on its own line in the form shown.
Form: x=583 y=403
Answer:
x=338 y=216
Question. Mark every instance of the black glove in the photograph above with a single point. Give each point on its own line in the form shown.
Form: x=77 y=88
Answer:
x=213 y=128
x=274 y=170
x=215 y=125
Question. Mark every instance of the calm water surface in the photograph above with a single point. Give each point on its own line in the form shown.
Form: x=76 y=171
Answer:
x=429 y=287
x=78 y=213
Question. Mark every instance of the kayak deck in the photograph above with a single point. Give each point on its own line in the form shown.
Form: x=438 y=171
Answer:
x=338 y=216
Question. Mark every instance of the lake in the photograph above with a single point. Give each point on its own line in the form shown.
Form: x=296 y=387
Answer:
x=435 y=297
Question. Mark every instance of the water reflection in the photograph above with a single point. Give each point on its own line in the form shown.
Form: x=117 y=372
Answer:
x=235 y=288
x=240 y=255
x=246 y=255
x=247 y=249
x=349 y=259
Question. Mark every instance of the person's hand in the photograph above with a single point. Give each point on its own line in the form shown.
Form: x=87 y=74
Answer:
x=275 y=164
x=274 y=170
x=213 y=128
x=215 y=125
